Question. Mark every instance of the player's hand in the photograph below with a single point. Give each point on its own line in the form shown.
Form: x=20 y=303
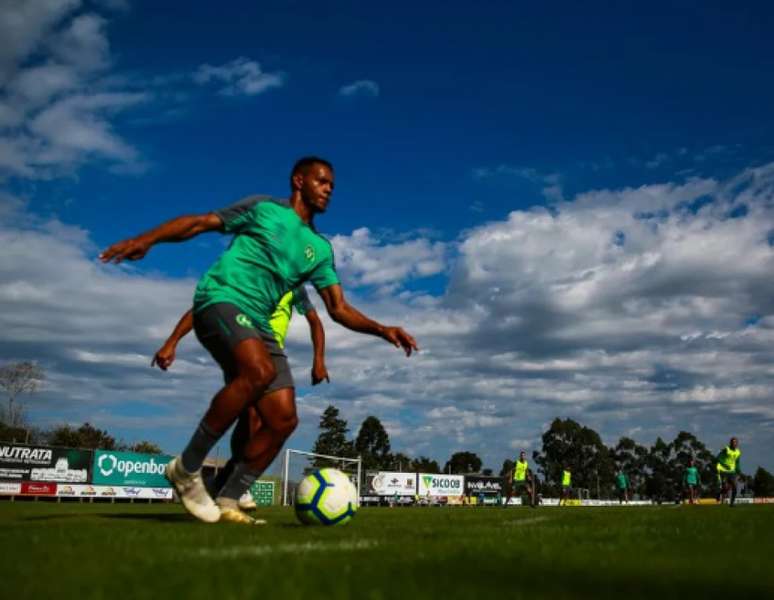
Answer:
x=400 y=339
x=319 y=373
x=164 y=358
x=131 y=249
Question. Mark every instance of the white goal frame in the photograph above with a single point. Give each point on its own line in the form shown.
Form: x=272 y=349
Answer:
x=341 y=459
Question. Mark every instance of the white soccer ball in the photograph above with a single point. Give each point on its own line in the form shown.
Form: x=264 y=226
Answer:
x=326 y=497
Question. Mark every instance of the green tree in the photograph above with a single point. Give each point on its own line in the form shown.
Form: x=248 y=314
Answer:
x=507 y=467
x=86 y=436
x=373 y=444
x=400 y=462
x=146 y=448
x=423 y=464
x=763 y=483
x=686 y=446
x=462 y=463
x=16 y=379
x=332 y=440
x=568 y=443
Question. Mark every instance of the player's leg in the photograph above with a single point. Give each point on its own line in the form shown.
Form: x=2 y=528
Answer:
x=278 y=420
x=732 y=489
x=237 y=346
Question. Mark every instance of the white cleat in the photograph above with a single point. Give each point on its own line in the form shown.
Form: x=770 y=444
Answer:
x=246 y=502
x=192 y=492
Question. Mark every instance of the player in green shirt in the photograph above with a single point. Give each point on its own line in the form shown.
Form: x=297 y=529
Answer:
x=729 y=467
x=566 y=485
x=622 y=483
x=275 y=249
x=520 y=480
x=247 y=441
x=691 y=480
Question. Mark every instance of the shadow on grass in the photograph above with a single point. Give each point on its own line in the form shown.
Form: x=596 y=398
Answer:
x=162 y=517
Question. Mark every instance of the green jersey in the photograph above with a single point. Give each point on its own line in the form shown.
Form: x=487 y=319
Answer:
x=273 y=251
x=692 y=476
x=622 y=481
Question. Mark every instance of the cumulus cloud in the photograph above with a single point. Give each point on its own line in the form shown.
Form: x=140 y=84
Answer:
x=362 y=87
x=637 y=311
x=57 y=101
x=240 y=77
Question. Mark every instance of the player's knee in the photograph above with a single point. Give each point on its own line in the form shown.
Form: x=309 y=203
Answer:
x=284 y=422
x=258 y=376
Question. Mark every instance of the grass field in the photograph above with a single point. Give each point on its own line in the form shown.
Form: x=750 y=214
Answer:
x=142 y=551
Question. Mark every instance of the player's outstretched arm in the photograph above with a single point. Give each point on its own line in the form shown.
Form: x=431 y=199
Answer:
x=319 y=372
x=176 y=230
x=345 y=314
x=165 y=356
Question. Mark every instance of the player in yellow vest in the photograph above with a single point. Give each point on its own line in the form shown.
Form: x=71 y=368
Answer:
x=729 y=466
x=566 y=485
x=251 y=439
x=520 y=479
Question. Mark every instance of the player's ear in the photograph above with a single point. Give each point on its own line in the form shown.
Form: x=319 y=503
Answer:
x=297 y=180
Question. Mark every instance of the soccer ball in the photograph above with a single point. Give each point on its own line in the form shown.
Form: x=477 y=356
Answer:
x=326 y=497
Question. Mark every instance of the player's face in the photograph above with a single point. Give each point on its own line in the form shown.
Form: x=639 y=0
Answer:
x=317 y=186
x=734 y=443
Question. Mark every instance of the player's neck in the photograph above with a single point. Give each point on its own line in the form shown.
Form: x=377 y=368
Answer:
x=303 y=210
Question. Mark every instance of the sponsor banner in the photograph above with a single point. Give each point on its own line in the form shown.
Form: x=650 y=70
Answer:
x=9 y=488
x=489 y=486
x=33 y=488
x=454 y=500
x=707 y=501
x=113 y=491
x=129 y=469
x=763 y=500
x=389 y=483
x=262 y=492
x=744 y=501
x=20 y=462
x=441 y=485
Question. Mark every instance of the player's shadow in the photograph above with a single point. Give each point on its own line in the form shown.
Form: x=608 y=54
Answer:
x=161 y=517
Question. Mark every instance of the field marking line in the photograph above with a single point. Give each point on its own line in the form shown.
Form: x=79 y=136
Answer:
x=264 y=550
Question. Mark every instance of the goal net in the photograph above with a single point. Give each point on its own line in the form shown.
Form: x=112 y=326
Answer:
x=297 y=464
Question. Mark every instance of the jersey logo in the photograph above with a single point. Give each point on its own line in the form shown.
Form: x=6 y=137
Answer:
x=244 y=320
x=309 y=253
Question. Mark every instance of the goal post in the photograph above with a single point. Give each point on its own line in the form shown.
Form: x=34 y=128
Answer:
x=297 y=463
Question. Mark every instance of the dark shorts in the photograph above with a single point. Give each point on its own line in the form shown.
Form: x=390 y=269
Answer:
x=729 y=476
x=220 y=327
x=519 y=486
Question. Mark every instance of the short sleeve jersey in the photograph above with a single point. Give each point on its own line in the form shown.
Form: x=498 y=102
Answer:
x=279 y=322
x=622 y=480
x=273 y=252
x=692 y=476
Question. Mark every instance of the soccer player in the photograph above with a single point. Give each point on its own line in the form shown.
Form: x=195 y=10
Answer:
x=691 y=480
x=520 y=480
x=622 y=483
x=229 y=500
x=729 y=467
x=566 y=483
x=275 y=249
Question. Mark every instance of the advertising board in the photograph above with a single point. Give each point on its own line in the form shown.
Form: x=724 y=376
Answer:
x=10 y=488
x=441 y=485
x=389 y=483
x=262 y=492
x=479 y=484
x=33 y=488
x=20 y=462
x=113 y=491
x=129 y=469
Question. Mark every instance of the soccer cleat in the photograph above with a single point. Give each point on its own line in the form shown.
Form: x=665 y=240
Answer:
x=246 y=502
x=234 y=515
x=190 y=488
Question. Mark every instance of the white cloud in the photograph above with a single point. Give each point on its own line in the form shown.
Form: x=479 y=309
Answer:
x=629 y=310
x=240 y=77
x=57 y=104
x=362 y=87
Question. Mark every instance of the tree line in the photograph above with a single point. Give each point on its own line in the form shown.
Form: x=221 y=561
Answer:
x=654 y=472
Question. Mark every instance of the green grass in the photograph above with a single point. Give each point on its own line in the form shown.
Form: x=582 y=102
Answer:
x=142 y=551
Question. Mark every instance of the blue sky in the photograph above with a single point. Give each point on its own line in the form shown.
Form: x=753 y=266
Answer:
x=647 y=128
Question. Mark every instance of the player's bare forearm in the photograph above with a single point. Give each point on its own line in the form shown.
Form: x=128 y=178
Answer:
x=319 y=371
x=183 y=327
x=165 y=356
x=176 y=230
x=347 y=315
